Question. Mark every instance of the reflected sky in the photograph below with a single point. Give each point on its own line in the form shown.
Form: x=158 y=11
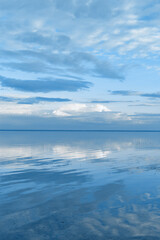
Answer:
x=79 y=185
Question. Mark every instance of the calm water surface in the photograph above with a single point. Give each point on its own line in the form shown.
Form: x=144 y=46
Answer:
x=79 y=186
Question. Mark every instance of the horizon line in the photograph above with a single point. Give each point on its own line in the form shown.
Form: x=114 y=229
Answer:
x=76 y=130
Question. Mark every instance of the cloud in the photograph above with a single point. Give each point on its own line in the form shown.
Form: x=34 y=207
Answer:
x=44 y=85
x=109 y=101
x=58 y=41
x=75 y=115
x=32 y=100
x=73 y=62
x=135 y=93
x=7 y=99
x=30 y=67
x=124 y=93
x=79 y=108
x=151 y=95
x=145 y=105
x=150 y=115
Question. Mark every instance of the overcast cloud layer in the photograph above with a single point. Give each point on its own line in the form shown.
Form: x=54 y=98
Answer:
x=89 y=61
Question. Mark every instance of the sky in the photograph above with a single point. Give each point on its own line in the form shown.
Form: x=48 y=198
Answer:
x=89 y=64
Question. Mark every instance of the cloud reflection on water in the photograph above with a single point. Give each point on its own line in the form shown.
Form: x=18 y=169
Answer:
x=79 y=186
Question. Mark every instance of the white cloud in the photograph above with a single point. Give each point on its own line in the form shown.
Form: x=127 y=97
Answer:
x=12 y=108
x=79 y=108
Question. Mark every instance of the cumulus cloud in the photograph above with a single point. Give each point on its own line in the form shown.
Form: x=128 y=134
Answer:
x=80 y=108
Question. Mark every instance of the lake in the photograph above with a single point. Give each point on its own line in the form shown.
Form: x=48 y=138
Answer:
x=79 y=185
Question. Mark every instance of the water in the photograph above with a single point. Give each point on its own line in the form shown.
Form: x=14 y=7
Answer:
x=79 y=185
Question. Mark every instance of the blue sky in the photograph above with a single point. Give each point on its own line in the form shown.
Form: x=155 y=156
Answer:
x=89 y=64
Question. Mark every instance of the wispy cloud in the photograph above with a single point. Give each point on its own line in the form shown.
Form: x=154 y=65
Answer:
x=135 y=93
x=32 y=100
x=109 y=101
x=73 y=62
